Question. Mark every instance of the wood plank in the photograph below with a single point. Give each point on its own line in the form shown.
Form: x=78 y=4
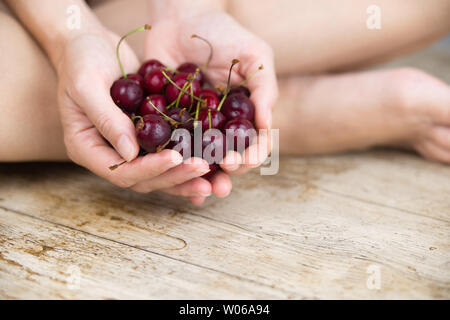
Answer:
x=283 y=233
x=40 y=260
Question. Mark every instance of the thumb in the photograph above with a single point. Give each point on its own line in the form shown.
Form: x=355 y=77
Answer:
x=114 y=125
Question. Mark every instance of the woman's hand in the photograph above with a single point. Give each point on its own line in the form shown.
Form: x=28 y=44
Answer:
x=170 y=41
x=86 y=69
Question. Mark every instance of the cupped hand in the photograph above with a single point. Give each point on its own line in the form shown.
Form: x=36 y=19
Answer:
x=98 y=134
x=170 y=41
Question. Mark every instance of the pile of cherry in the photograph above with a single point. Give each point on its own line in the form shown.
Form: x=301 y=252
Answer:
x=159 y=100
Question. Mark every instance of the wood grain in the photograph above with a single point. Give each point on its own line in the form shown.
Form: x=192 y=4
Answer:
x=309 y=232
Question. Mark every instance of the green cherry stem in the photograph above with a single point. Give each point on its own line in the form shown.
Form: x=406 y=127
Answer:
x=144 y=27
x=211 y=50
x=178 y=87
x=261 y=67
x=172 y=122
x=233 y=63
x=209 y=118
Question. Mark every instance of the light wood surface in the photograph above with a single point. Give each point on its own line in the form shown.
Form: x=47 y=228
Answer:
x=324 y=227
x=312 y=231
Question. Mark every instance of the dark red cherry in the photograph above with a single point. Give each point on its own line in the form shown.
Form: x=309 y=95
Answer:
x=152 y=132
x=154 y=81
x=238 y=106
x=213 y=168
x=240 y=129
x=126 y=94
x=150 y=65
x=188 y=67
x=204 y=92
x=136 y=77
x=183 y=145
x=158 y=101
x=211 y=101
x=172 y=92
x=217 y=119
x=183 y=116
x=216 y=144
x=240 y=89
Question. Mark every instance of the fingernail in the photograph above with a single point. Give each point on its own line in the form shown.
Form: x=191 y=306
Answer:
x=202 y=194
x=175 y=159
x=125 y=147
x=198 y=172
x=233 y=167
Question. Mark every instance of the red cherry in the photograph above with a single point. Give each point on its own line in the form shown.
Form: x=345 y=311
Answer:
x=172 y=92
x=208 y=92
x=152 y=132
x=240 y=129
x=188 y=67
x=182 y=116
x=183 y=145
x=158 y=101
x=154 y=81
x=240 y=89
x=126 y=94
x=238 y=106
x=136 y=77
x=214 y=143
x=211 y=101
x=217 y=119
x=150 y=65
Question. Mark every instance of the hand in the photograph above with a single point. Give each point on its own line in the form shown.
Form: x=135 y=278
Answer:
x=170 y=41
x=86 y=70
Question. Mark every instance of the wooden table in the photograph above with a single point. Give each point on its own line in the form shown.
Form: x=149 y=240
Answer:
x=368 y=225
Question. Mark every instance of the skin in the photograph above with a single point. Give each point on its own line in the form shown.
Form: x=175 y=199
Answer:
x=405 y=108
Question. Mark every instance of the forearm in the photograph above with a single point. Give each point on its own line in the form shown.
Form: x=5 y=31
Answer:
x=47 y=21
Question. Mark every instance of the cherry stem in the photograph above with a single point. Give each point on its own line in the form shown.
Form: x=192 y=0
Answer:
x=178 y=87
x=141 y=121
x=181 y=94
x=211 y=50
x=114 y=167
x=197 y=111
x=233 y=63
x=209 y=118
x=174 y=122
x=144 y=27
x=247 y=79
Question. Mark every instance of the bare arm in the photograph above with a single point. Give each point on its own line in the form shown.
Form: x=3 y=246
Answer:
x=47 y=22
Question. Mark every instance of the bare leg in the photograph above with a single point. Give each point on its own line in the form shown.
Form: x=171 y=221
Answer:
x=317 y=36
x=329 y=113
x=29 y=125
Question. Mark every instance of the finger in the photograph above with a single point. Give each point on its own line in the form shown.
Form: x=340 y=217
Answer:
x=197 y=200
x=93 y=97
x=90 y=150
x=258 y=152
x=197 y=187
x=231 y=162
x=149 y=166
x=175 y=176
x=221 y=184
x=263 y=86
